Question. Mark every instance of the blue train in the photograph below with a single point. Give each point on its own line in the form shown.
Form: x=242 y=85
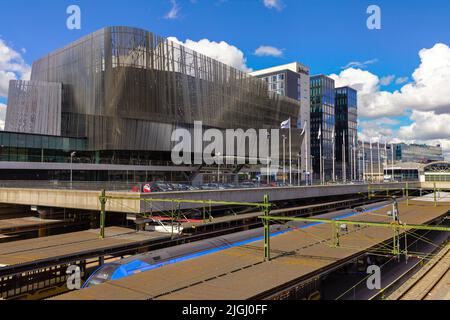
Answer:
x=158 y=258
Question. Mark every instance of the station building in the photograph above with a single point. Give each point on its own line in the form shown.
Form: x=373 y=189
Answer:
x=114 y=97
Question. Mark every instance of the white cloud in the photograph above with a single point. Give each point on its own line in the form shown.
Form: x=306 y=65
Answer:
x=429 y=90
x=371 y=101
x=358 y=64
x=12 y=66
x=274 y=4
x=378 y=129
x=173 y=13
x=2 y=116
x=427 y=125
x=401 y=80
x=424 y=98
x=387 y=80
x=221 y=51
x=268 y=51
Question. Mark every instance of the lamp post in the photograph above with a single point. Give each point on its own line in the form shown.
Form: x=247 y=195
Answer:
x=71 y=162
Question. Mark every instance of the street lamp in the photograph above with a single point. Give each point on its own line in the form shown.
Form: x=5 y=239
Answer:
x=71 y=161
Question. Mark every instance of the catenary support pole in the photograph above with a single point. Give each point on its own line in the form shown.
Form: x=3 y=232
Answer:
x=102 y=214
x=266 y=229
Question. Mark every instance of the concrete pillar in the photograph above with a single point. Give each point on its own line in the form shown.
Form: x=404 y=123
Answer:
x=93 y=221
x=44 y=213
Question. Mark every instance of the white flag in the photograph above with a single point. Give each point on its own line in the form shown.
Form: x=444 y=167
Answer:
x=320 y=133
x=304 y=128
x=332 y=134
x=286 y=124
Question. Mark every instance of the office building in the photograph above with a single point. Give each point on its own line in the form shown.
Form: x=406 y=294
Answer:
x=121 y=92
x=346 y=134
x=292 y=80
x=322 y=125
x=420 y=153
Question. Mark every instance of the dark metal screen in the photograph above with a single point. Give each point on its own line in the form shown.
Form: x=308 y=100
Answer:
x=127 y=89
x=34 y=107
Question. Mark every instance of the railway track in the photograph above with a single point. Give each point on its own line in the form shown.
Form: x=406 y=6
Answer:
x=38 y=270
x=422 y=284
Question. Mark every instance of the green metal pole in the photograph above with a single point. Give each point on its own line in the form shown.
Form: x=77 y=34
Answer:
x=266 y=229
x=102 y=214
x=368 y=192
x=172 y=214
x=210 y=211
x=335 y=234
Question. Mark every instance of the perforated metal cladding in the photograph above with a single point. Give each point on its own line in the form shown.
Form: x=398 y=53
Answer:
x=127 y=89
x=34 y=107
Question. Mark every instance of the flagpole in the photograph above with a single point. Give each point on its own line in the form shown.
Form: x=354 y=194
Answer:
x=355 y=150
x=364 y=161
x=319 y=136
x=392 y=155
x=344 y=167
x=334 y=156
x=359 y=159
x=290 y=152
x=371 y=161
x=306 y=154
x=284 y=158
x=353 y=158
x=350 y=148
x=385 y=164
x=379 y=158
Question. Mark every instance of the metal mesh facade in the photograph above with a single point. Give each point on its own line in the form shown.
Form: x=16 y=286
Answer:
x=127 y=89
x=35 y=107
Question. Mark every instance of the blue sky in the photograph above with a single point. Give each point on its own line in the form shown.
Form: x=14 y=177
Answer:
x=325 y=35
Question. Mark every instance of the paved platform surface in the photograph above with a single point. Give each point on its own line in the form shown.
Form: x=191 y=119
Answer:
x=15 y=224
x=30 y=250
x=238 y=273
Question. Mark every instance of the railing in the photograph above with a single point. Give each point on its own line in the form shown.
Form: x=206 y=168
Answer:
x=131 y=186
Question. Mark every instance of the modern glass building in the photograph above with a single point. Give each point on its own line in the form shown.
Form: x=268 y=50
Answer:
x=420 y=153
x=123 y=91
x=293 y=81
x=346 y=138
x=323 y=122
